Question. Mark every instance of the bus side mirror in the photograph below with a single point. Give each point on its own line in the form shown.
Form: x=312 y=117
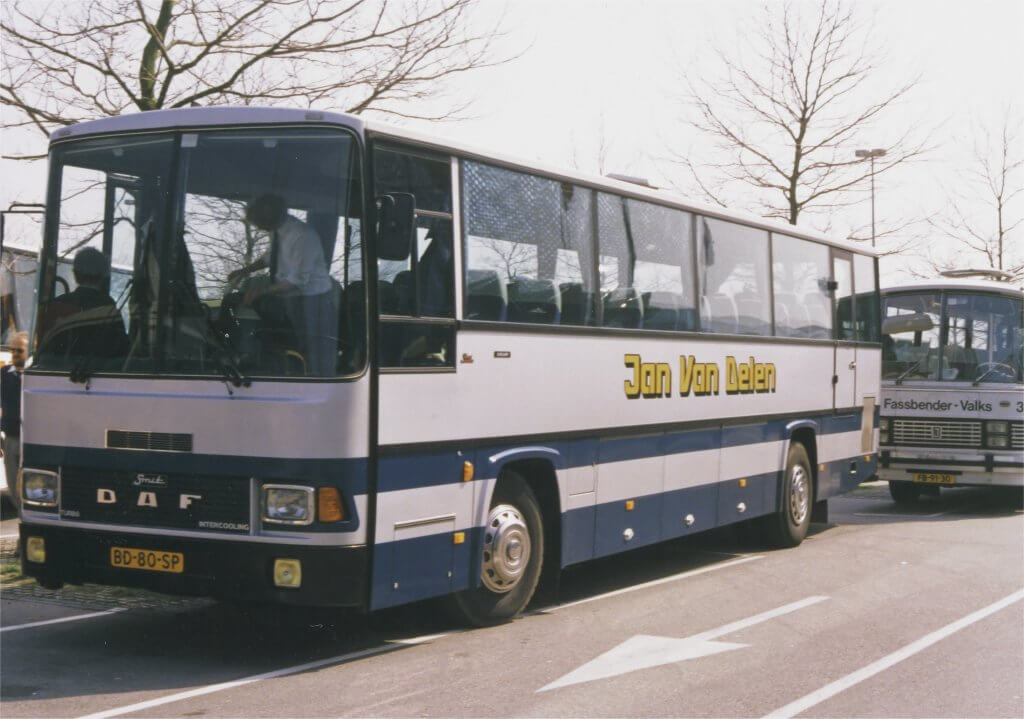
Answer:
x=396 y=225
x=897 y=324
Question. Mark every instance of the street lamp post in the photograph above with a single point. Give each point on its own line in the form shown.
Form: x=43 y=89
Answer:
x=871 y=155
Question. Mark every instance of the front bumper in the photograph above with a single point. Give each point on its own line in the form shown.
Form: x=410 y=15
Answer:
x=331 y=576
x=985 y=469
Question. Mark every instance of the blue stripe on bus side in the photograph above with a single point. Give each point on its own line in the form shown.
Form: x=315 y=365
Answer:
x=424 y=468
x=429 y=566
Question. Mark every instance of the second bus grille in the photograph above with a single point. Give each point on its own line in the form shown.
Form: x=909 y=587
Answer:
x=936 y=433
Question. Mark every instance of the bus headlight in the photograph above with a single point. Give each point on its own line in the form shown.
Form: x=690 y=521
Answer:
x=998 y=431
x=998 y=427
x=288 y=504
x=39 y=488
x=883 y=424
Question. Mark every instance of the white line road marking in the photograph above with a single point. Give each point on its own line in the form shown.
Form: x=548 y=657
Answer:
x=653 y=583
x=830 y=690
x=644 y=651
x=201 y=691
x=75 y=618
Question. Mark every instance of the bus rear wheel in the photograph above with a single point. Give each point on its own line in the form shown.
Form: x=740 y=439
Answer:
x=512 y=556
x=904 y=492
x=788 y=526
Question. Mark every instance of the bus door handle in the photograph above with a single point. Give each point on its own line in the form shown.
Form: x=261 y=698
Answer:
x=853 y=364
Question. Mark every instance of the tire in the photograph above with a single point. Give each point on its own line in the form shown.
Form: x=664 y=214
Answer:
x=512 y=556
x=904 y=492
x=788 y=526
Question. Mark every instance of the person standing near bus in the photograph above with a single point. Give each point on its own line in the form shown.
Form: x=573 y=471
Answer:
x=10 y=420
x=300 y=280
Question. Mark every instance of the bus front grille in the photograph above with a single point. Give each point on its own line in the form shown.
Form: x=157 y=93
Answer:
x=149 y=499
x=1017 y=436
x=153 y=441
x=936 y=433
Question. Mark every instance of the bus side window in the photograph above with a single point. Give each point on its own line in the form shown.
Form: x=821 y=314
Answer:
x=414 y=293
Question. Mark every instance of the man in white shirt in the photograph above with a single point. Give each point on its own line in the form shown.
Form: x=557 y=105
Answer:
x=300 y=280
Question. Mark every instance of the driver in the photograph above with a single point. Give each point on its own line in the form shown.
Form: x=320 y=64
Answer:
x=300 y=280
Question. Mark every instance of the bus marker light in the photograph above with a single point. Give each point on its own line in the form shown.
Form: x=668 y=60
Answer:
x=628 y=534
x=288 y=573
x=328 y=505
x=743 y=483
x=741 y=507
x=35 y=550
x=467 y=471
x=459 y=538
x=689 y=520
x=630 y=505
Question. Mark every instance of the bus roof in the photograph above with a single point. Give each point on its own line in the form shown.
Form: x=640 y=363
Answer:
x=945 y=283
x=200 y=117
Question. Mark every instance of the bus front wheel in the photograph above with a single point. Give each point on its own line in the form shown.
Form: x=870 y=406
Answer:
x=788 y=526
x=512 y=555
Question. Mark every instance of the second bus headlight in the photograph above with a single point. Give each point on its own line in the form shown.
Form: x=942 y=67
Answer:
x=288 y=504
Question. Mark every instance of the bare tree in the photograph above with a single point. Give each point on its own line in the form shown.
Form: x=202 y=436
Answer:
x=785 y=113
x=966 y=237
x=70 y=61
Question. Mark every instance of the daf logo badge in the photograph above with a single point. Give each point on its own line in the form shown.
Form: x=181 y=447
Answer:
x=150 y=480
x=936 y=432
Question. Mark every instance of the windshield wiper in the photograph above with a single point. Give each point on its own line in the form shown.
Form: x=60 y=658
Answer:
x=911 y=368
x=227 y=360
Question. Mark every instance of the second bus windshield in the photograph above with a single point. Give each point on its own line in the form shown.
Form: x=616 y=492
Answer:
x=952 y=336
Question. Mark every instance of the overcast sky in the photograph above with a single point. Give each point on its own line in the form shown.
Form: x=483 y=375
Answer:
x=611 y=69
x=593 y=69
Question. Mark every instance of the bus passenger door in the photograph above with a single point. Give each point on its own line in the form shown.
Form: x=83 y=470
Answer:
x=844 y=379
x=424 y=508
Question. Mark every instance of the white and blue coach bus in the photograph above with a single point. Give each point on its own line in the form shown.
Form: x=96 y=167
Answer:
x=527 y=368
x=952 y=409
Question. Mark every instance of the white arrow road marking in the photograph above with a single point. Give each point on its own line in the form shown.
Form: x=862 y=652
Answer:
x=641 y=652
x=644 y=651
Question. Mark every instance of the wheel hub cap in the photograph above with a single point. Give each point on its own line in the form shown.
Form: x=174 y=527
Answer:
x=506 y=549
x=799 y=495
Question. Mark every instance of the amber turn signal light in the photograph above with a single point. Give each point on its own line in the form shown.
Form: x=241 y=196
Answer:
x=328 y=505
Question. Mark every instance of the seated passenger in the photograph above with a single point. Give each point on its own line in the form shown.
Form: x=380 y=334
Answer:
x=85 y=323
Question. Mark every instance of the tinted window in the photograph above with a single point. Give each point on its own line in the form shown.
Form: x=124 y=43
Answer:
x=867 y=301
x=646 y=266
x=527 y=248
x=983 y=338
x=910 y=340
x=800 y=280
x=733 y=273
x=422 y=286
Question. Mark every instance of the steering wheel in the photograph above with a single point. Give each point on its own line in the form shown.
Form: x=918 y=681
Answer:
x=61 y=281
x=999 y=367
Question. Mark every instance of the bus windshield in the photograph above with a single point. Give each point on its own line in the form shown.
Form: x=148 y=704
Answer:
x=952 y=336
x=228 y=253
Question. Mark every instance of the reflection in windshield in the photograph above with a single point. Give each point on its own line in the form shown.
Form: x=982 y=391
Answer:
x=252 y=267
x=965 y=337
